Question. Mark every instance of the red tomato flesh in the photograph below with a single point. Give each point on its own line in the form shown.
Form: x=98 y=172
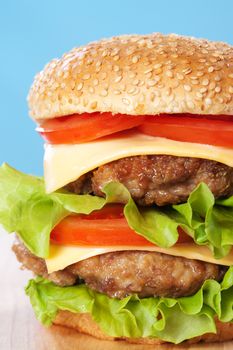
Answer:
x=105 y=227
x=85 y=127
x=78 y=128
x=188 y=128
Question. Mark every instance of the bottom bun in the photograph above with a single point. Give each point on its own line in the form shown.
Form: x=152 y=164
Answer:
x=83 y=323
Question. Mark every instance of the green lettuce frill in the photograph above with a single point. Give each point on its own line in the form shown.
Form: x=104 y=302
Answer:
x=27 y=209
x=173 y=320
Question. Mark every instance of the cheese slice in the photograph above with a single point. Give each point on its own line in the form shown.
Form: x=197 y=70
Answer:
x=66 y=163
x=63 y=256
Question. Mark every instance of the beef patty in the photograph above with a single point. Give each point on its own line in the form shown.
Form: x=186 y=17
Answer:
x=159 y=179
x=123 y=273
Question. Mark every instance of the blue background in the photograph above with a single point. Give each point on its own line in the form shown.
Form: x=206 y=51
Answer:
x=34 y=32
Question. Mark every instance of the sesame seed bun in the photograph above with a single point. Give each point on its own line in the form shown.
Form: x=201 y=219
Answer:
x=137 y=74
x=83 y=323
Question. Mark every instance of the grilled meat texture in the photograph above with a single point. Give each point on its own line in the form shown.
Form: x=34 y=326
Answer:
x=158 y=179
x=124 y=273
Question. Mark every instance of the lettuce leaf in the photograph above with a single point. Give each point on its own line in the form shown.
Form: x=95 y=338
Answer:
x=173 y=320
x=27 y=209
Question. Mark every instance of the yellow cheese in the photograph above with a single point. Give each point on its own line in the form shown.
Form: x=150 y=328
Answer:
x=63 y=256
x=66 y=163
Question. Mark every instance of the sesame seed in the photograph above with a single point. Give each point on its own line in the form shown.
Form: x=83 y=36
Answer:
x=199 y=95
x=230 y=75
x=180 y=76
x=220 y=99
x=187 y=71
x=116 y=68
x=117 y=92
x=211 y=94
x=79 y=86
x=210 y=69
x=160 y=86
x=118 y=78
x=157 y=78
x=129 y=108
x=228 y=97
x=217 y=89
x=114 y=51
x=175 y=84
x=141 y=98
x=190 y=104
x=213 y=60
x=135 y=59
x=151 y=82
x=141 y=82
x=122 y=87
x=148 y=75
x=200 y=74
x=208 y=101
x=95 y=82
x=169 y=74
x=217 y=78
x=91 y=90
x=98 y=63
x=203 y=90
x=187 y=87
x=157 y=65
x=104 y=53
x=103 y=75
x=212 y=85
x=231 y=89
x=152 y=97
x=93 y=105
x=130 y=51
x=86 y=76
x=126 y=101
x=168 y=91
x=148 y=71
x=135 y=82
x=133 y=91
x=205 y=82
x=104 y=92
x=89 y=62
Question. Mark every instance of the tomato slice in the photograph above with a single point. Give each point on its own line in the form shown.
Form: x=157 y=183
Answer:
x=85 y=127
x=105 y=227
x=185 y=127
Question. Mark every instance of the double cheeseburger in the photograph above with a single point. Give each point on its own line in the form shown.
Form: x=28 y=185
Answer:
x=130 y=233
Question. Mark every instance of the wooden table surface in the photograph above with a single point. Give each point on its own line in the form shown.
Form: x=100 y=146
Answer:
x=19 y=330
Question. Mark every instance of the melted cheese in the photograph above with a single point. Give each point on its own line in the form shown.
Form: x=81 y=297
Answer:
x=66 y=163
x=63 y=256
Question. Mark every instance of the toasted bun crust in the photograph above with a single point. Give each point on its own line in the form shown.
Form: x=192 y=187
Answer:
x=83 y=323
x=137 y=74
